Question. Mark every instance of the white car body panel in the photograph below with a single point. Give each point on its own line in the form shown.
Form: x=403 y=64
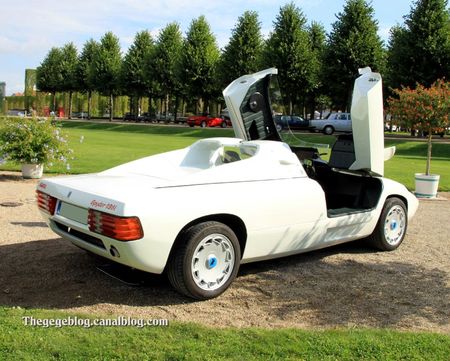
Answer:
x=282 y=209
x=368 y=123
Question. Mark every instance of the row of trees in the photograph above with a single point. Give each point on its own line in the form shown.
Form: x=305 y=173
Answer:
x=316 y=69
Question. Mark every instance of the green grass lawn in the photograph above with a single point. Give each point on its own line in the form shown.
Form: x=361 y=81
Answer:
x=106 y=145
x=181 y=341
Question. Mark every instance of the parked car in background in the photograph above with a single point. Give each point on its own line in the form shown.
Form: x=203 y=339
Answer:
x=335 y=122
x=207 y=121
x=162 y=117
x=80 y=115
x=130 y=117
x=146 y=117
x=17 y=112
x=291 y=122
x=225 y=114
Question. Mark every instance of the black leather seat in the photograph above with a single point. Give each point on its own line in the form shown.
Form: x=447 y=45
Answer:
x=343 y=152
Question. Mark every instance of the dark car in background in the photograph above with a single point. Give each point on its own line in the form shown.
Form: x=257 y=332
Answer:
x=291 y=122
x=130 y=117
x=146 y=117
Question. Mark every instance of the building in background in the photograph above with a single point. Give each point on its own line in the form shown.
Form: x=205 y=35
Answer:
x=2 y=89
x=2 y=96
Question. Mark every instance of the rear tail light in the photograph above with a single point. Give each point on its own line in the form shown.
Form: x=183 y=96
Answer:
x=120 y=228
x=46 y=202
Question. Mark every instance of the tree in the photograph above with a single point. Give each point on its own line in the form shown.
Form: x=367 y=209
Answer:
x=352 y=44
x=242 y=55
x=30 y=83
x=419 y=51
x=85 y=63
x=317 y=39
x=69 y=65
x=48 y=74
x=424 y=108
x=199 y=61
x=105 y=68
x=134 y=77
x=167 y=62
x=288 y=50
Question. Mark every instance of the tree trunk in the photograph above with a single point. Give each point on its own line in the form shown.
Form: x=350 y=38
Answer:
x=430 y=136
x=166 y=109
x=175 y=109
x=111 y=105
x=89 y=104
x=54 y=102
x=70 y=104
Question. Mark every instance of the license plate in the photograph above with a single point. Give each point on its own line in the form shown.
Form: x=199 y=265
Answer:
x=72 y=212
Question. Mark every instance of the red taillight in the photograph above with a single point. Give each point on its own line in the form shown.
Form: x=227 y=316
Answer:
x=46 y=202
x=120 y=228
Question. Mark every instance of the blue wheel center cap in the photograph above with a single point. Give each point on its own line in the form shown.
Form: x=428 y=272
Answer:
x=393 y=225
x=211 y=262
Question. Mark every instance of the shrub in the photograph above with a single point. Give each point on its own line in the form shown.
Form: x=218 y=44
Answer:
x=32 y=141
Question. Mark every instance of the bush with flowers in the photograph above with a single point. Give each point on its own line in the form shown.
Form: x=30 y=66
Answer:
x=33 y=141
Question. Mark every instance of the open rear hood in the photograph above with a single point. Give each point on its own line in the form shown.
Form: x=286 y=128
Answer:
x=248 y=100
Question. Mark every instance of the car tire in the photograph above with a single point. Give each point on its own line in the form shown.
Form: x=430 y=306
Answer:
x=203 y=124
x=328 y=130
x=279 y=127
x=223 y=124
x=205 y=261
x=391 y=227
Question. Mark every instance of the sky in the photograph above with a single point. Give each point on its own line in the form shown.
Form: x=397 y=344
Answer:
x=29 y=28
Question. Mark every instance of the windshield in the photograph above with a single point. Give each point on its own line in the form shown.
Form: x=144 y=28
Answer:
x=292 y=128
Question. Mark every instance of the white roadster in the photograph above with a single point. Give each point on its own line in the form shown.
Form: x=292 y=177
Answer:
x=198 y=213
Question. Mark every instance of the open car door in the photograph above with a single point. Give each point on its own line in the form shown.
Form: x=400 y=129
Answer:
x=367 y=123
x=248 y=102
x=252 y=101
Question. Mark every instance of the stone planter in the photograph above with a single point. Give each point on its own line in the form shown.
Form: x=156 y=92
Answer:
x=33 y=171
x=426 y=185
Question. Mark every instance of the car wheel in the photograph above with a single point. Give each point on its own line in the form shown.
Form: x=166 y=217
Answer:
x=205 y=262
x=223 y=124
x=391 y=227
x=203 y=124
x=328 y=130
x=279 y=127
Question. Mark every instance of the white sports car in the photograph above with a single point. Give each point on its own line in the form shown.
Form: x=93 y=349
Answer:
x=198 y=213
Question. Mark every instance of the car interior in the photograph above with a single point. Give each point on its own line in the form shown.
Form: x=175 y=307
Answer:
x=346 y=191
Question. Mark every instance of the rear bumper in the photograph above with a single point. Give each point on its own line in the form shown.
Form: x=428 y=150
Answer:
x=136 y=254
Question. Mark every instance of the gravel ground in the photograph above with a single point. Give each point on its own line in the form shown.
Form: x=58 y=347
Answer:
x=344 y=286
